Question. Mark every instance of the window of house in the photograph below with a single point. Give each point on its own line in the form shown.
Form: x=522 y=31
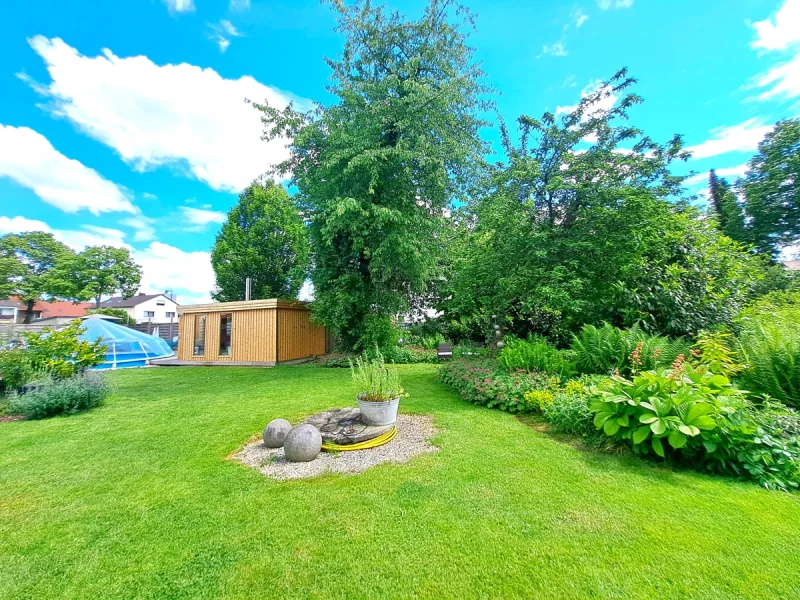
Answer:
x=149 y=313
x=170 y=314
x=199 y=335
x=159 y=303
x=225 y=328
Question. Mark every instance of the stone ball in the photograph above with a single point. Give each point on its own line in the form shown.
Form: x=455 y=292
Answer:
x=275 y=432
x=302 y=443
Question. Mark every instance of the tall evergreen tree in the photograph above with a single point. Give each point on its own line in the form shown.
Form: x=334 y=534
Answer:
x=378 y=168
x=726 y=208
x=265 y=239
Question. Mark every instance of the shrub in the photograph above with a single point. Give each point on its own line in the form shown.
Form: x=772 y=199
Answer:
x=540 y=399
x=120 y=313
x=535 y=354
x=569 y=413
x=471 y=351
x=607 y=349
x=482 y=382
x=15 y=368
x=404 y=355
x=336 y=360
x=61 y=396
x=61 y=352
x=690 y=413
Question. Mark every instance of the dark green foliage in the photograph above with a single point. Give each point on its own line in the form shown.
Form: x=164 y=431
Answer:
x=726 y=209
x=15 y=369
x=606 y=349
x=482 y=382
x=28 y=266
x=61 y=353
x=264 y=238
x=535 y=354
x=407 y=355
x=98 y=271
x=113 y=312
x=377 y=169
x=61 y=396
x=772 y=189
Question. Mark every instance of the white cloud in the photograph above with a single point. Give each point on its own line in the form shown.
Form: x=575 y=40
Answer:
x=780 y=32
x=165 y=267
x=221 y=32
x=579 y=17
x=606 y=103
x=744 y=137
x=143 y=226
x=239 y=5
x=731 y=172
x=77 y=239
x=200 y=218
x=554 y=49
x=782 y=81
x=177 y=115
x=28 y=158
x=609 y=4
x=179 y=6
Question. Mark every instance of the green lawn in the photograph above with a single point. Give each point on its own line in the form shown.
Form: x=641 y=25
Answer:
x=137 y=500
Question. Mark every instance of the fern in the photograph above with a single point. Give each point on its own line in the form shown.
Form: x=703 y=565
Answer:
x=772 y=357
x=607 y=349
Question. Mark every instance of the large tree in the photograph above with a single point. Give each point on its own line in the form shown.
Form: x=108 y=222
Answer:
x=726 y=209
x=264 y=238
x=584 y=223
x=772 y=189
x=377 y=169
x=99 y=271
x=28 y=262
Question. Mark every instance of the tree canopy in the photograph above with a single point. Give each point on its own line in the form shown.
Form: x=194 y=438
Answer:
x=377 y=170
x=265 y=239
x=98 y=271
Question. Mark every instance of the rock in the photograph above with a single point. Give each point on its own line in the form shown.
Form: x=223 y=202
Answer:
x=302 y=443
x=275 y=432
x=344 y=426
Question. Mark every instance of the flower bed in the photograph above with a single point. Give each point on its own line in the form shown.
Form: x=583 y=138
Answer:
x=483 y=382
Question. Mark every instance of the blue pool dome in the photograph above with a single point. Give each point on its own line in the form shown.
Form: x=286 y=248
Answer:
x=125 y=347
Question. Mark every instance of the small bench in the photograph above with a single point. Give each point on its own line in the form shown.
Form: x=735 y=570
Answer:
x=444 y=351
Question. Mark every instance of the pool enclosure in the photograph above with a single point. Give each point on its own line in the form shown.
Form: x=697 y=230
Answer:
x=125 y=347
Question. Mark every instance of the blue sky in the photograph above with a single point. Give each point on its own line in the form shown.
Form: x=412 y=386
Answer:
x=124 y=123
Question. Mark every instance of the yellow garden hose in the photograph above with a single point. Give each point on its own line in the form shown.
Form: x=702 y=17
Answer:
x=373 y=443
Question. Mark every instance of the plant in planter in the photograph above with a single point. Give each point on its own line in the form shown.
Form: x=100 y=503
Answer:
x=378 y=388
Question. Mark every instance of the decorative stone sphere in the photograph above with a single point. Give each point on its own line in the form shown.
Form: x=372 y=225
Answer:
x=302 y=443
x=275 y=432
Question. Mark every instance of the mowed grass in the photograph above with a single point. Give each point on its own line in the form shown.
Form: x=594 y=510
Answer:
x=137 y=499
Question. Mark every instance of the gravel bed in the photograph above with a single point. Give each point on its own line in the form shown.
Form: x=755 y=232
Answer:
x=413 y=437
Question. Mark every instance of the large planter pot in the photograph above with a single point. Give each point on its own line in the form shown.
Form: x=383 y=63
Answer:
x=378 y=413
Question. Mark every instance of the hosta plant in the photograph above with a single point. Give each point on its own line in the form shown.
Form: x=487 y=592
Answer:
x=664 y=411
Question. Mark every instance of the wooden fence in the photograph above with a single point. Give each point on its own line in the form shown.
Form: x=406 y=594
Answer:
x=13 y=331
x=166 y=331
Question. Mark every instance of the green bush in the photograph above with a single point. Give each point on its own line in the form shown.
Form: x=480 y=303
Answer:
x=482 y=382
x=120 y=313
x=15 y=368
x=535 y=354
x=692 y=414
x=61 y=396
x=608 y=349
x=62 y=353
x=569 y=413
x=404 y=355
x=336 y=360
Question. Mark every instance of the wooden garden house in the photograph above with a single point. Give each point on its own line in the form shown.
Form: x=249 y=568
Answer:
x=255 y=332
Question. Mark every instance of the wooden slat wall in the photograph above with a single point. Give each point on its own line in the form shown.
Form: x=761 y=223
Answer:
x=298 y=337
x=253 y=336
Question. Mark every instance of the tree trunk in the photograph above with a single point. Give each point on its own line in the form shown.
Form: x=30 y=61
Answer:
x=97 y=300
x=29 y=311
